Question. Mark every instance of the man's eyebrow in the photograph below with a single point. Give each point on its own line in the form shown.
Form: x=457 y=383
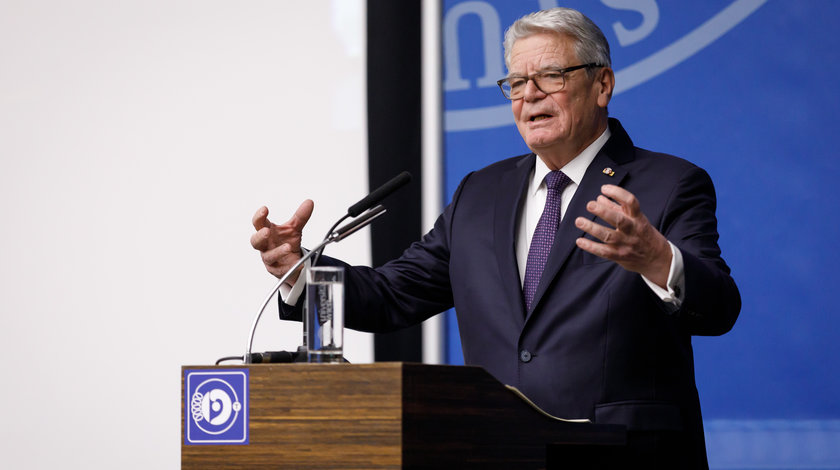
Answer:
x=549 y=68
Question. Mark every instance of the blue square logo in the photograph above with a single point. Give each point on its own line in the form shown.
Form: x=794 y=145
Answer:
x=216 y=406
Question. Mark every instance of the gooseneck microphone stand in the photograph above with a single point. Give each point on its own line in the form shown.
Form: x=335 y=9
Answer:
x=333 y=237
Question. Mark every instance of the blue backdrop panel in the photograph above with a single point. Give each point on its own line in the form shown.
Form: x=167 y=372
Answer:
x=745 y=89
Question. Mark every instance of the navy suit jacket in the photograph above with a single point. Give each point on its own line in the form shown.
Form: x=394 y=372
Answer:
x=597 y=342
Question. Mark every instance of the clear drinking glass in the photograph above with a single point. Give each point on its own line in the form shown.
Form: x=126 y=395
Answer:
x=325 y=313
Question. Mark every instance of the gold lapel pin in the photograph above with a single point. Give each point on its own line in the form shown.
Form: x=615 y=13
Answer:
x=609 y=171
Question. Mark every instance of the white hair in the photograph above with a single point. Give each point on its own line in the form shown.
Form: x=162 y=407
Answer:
x=589 y=42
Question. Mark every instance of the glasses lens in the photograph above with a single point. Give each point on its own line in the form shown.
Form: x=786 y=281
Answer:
x=517 y=87
x=513 y=88
x=550 y=81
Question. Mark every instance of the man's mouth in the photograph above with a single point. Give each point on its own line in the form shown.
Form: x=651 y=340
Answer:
x=539 y=117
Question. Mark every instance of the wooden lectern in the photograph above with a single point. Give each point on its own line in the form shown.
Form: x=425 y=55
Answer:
x=390 y=415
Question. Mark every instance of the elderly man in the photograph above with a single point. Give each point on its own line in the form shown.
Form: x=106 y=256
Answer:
x=578 y=272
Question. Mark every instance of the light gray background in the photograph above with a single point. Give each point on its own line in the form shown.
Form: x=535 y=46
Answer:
x=137 y=139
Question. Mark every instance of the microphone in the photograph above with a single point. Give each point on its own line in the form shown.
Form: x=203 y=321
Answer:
x=362 y=221
x=358 y=208
x=379 y=194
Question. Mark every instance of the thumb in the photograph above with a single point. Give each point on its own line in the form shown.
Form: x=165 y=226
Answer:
x=301 y=215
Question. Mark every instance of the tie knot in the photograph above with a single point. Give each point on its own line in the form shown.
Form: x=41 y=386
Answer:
x=556 y=180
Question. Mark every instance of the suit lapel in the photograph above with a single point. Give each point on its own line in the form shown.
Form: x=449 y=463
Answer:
x=604 y=169
x=505 y=226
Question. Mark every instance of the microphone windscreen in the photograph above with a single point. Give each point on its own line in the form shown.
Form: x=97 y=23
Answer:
x=379 y=193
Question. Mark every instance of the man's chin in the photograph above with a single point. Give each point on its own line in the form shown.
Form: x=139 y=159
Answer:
x=542 y=142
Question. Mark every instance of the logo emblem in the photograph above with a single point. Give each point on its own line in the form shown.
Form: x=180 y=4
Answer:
x=215 y=406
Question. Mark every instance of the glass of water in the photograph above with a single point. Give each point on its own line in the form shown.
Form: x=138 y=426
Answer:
x=325 y=313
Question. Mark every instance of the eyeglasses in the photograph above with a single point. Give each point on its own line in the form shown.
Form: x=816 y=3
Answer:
x=547 y=81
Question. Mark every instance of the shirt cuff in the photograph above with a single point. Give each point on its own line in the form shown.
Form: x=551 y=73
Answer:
x=674 y=295
x=290 y=294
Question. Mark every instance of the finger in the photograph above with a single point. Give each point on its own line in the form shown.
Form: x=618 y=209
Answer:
x=279 y=260
x=614 y=213
x=301 y=216
x=270 y=257
x=605 y=234
x=617 y=216
x=597 y=249
x=260 y=219
x=260 y=239
x=624 y=197
x=607 y=210
x=608 y=203
x=276 y=256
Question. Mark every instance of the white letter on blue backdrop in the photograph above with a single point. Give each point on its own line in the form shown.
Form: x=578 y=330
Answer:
x=650 y=18
x=491 y=38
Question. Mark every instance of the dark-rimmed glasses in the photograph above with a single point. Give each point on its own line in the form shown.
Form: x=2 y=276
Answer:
x=547 y=81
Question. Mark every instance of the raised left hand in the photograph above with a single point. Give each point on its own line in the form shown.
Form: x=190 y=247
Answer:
x=632 y=241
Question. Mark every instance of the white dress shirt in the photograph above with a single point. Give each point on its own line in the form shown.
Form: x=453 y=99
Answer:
x=534 y=204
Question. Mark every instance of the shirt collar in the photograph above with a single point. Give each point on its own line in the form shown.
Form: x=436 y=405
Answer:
x=576 y=168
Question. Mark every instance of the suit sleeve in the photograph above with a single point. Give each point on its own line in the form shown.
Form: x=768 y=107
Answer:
x=712 y=301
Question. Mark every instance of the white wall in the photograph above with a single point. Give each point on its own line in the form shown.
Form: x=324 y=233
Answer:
x=137 y=138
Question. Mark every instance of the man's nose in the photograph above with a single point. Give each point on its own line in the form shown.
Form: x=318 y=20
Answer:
x=532 y=92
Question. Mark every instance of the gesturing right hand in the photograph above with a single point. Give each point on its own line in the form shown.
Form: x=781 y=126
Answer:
x=279 y=245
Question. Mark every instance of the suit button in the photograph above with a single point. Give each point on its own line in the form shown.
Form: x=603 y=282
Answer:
x=525 y=355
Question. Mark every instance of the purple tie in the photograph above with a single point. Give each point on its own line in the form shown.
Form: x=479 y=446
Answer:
x=544 y=234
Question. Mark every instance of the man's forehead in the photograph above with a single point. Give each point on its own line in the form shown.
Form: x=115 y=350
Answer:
x=542 y=50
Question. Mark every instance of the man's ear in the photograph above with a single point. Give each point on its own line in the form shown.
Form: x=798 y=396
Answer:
x=605 y=83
